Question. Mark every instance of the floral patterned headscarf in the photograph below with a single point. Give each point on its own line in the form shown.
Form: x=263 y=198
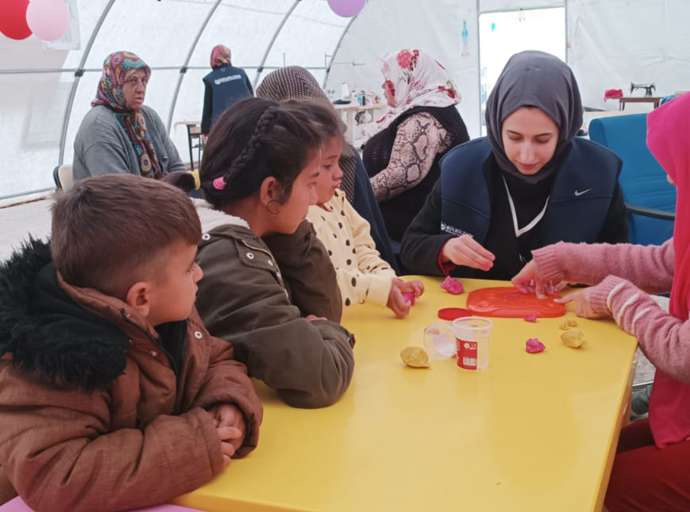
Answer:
x=118 y=67
x=414 y=79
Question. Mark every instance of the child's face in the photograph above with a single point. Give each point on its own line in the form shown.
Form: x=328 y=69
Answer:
x=172 y=292
x=302 y=196
x=331 y=175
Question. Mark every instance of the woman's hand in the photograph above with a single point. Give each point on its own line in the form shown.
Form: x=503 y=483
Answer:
x=467 y=252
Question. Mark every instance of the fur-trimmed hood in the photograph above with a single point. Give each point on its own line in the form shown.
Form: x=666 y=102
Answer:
x=47 y=333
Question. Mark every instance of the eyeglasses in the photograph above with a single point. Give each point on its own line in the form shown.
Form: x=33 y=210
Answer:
x=135 y=80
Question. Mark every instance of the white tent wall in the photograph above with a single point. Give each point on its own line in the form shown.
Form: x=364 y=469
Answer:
x=512 y=5
x=610 y=44
x=380 y=30
x=615 y=42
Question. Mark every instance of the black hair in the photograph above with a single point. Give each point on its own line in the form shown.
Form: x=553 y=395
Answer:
x=252 y=140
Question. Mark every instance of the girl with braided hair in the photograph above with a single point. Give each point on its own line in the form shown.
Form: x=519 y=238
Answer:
x=259 y=169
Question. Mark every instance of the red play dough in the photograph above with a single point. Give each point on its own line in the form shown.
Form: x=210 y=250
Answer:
x=534 y=346
x=509 y=302
x=410 y=297
x=13 y=19
x=453 y=313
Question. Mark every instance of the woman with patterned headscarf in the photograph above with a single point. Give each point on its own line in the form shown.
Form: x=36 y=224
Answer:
x=120 y=134
x=294 y=83
x=223 y=86
x=421 y=125
x=529 y=183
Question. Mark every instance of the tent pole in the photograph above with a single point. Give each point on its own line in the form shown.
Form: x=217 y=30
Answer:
x=272 y=42
x=77 y=75
x=184 y=68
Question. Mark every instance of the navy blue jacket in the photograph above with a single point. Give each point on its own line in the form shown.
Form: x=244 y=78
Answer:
x=585 y=205
x=223 y=87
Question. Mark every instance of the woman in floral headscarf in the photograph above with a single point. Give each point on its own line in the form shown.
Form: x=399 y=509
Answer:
x=119 y=134
x=421 y=125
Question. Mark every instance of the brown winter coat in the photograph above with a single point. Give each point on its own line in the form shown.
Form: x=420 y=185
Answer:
x=99 y=411
x=243 y=298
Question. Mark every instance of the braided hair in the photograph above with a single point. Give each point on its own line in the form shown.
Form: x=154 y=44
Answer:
x=252 y=140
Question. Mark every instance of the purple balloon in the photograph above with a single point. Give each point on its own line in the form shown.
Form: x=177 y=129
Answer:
x=347 y=8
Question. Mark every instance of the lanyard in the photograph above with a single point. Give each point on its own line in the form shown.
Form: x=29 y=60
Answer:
x=521 y=231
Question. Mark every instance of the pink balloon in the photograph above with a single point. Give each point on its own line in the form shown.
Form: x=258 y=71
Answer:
x=48 y=19
x=347 y=8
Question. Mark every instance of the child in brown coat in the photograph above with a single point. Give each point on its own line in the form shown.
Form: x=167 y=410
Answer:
x=112 y=393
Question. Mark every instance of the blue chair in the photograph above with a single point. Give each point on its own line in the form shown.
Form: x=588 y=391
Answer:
x=649 y=198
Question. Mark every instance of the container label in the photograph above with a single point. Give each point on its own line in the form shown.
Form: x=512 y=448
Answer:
x=467 y=354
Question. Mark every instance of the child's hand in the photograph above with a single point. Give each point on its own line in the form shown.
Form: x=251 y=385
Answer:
x=313 y=318
x=229 y=438
x=415 y=287
x=530 y=280
x=397 y=301
x=227 y=415
x=583 y=304
x=466 y=251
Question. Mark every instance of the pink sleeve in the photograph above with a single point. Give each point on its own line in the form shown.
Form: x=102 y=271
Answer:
x=663 y=338
x=650 y=267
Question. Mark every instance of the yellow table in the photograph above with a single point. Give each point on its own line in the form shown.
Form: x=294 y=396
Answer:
x=532 y=433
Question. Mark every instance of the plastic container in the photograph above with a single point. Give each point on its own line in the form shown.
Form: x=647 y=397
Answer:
x=472 y=336
x=439 y=340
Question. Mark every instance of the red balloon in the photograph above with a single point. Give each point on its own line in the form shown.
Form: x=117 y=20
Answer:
x=13 y=20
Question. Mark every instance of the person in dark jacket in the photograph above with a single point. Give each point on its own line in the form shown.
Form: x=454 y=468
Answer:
x=528 y=184
x=223 y=86
x=421 y=126
x=260 y=168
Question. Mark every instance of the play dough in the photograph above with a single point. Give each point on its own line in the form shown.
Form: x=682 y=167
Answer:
x=452 y=286
x=509 y=302
x=573 y=338
x=534 y=346
x=415 y=357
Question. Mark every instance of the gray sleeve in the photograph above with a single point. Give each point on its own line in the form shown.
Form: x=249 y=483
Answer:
x=175 y=163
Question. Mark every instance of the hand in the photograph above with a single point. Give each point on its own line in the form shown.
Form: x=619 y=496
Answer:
x=416 y=287
x=466 y=251
x=312 y=318
x=397 y=302
x=583 y=304
x=227 y=415
x=229 y=437
x=530 y=280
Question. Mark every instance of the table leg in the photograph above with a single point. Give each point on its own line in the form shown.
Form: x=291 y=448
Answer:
x=191 y=152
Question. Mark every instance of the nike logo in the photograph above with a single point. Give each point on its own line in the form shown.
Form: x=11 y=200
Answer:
x=579 y=193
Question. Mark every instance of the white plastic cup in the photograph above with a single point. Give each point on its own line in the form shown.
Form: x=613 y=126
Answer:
x=472 y=335
x=439 y=340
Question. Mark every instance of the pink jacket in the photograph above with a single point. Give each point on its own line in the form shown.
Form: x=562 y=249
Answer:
x=623 y=273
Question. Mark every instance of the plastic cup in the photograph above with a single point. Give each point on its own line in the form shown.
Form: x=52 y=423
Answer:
x=472 y=335
x=439 y=340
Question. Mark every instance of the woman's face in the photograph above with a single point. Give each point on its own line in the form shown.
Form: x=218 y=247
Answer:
x=331 y=175
x=134 y=89
x=529 y=139
x=292 y=212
